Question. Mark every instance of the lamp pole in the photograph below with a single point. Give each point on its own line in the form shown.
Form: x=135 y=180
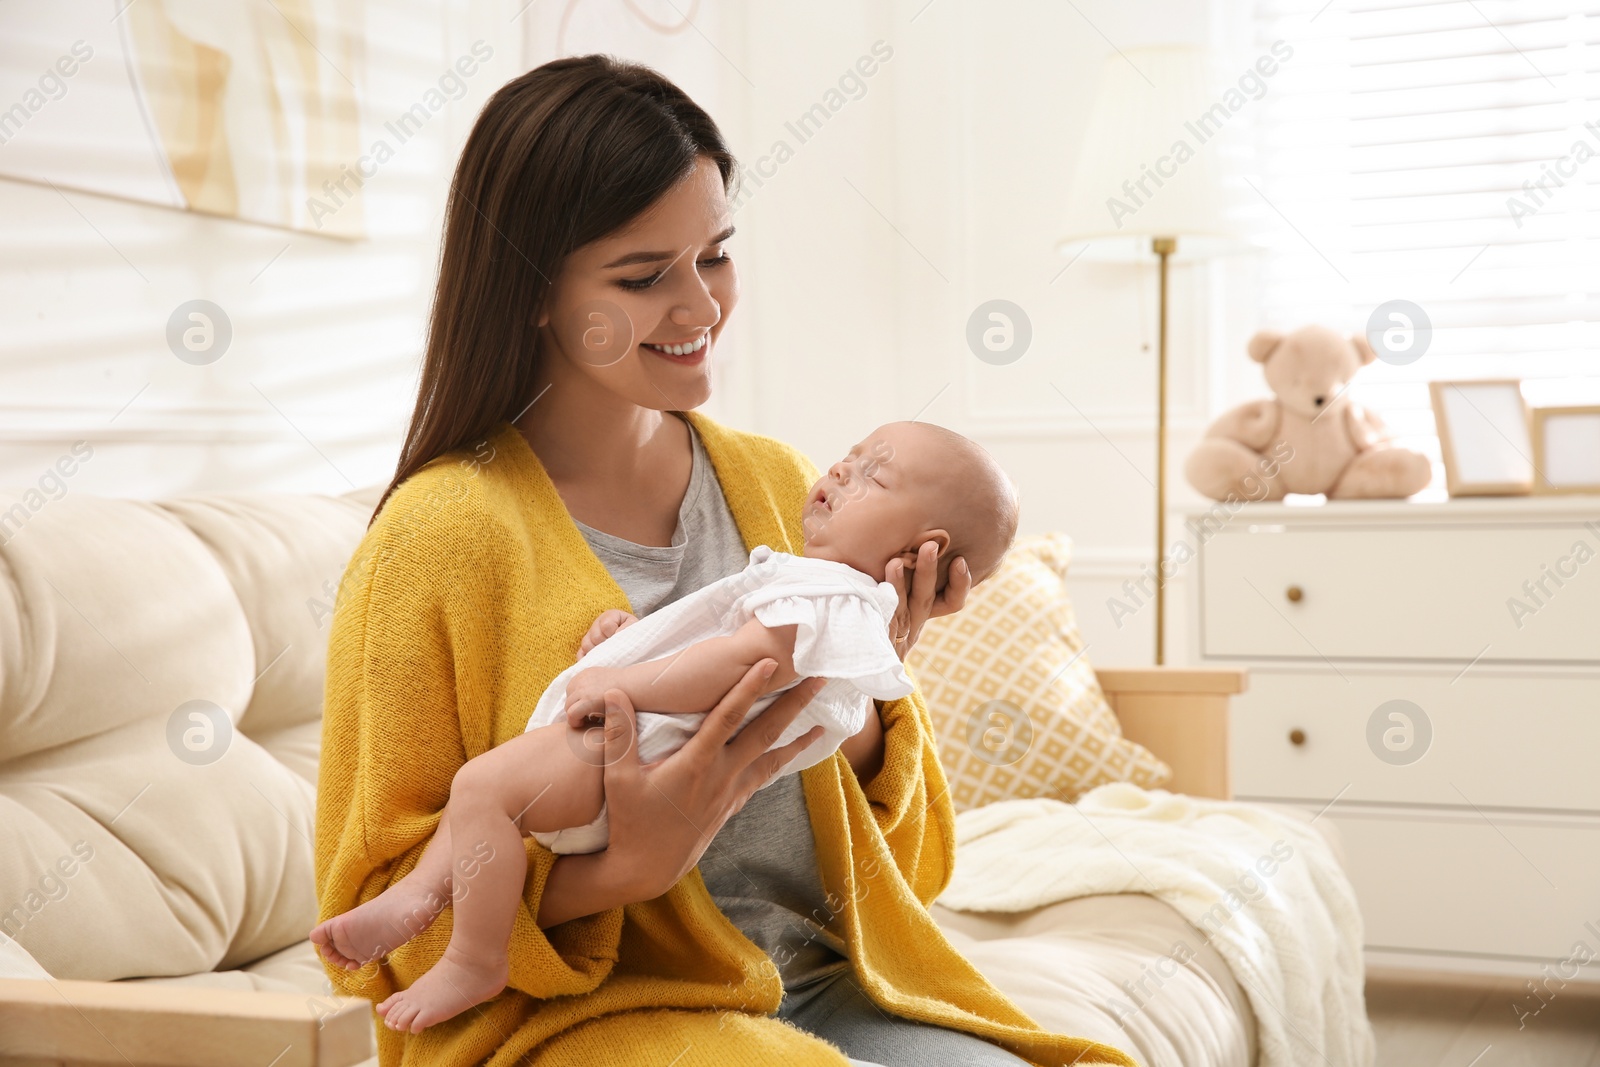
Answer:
x=1163 y=248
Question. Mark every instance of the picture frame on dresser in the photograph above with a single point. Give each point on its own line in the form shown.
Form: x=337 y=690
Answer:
x=1566 y=449
x=1485 y=436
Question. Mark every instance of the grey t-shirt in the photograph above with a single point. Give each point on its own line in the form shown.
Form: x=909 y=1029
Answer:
x=761 y=868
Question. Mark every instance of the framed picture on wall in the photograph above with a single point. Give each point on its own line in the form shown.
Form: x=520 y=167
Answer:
x=1485 y=436
x=1566 y=449
x=245 y=111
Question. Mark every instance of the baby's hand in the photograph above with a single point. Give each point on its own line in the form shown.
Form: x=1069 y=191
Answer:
x=607 y=624
x=586 y=695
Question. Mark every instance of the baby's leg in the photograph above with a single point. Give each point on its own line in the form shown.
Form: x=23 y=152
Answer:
x=396 y=915
x=408 y=907
x=535 y=781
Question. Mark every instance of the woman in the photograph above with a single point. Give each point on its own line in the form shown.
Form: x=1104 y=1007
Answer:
x=555 y=472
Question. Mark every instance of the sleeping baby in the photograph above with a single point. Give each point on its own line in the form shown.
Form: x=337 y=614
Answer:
x=825 y=614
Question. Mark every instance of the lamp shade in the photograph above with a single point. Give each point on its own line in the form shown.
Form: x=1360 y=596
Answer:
x=1161 y=158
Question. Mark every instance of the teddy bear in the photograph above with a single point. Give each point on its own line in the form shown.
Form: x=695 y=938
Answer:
x=1310 y=437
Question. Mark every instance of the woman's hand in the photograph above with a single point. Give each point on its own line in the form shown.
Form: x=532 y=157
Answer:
x=662 y=815
x=918 y=604
x=606 y=624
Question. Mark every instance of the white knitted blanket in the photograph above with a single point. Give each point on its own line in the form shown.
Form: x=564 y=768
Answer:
x=1259 y=883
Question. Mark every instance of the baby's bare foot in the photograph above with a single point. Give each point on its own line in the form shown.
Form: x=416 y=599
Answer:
x=377 y=927
x=449 y=988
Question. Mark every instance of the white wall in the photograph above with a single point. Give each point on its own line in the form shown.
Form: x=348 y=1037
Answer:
x=862 y=256
x=939 y=189
x=315 y=388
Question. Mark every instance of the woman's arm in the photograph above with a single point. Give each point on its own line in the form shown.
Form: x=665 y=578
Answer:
x=587 y=884
x=864 y=749
x=910 y=798
x=898 y=763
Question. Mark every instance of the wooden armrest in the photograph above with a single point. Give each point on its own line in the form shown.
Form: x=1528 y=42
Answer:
x=1181 y=715
x=1173 y=679
x=75 y=1024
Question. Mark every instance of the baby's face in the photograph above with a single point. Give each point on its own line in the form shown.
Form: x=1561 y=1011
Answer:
x=877 y=502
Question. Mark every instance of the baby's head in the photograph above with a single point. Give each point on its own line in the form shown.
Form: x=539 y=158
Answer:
x=907 y=483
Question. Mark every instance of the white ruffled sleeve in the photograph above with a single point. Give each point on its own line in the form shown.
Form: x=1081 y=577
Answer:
x=841 y=634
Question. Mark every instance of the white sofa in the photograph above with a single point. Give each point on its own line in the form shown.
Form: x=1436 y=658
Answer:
x=161 y=677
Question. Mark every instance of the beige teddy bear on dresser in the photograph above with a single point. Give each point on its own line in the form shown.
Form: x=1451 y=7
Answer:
x=1310 y=437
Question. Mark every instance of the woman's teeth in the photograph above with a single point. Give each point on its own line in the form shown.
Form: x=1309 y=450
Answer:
x=682 y=350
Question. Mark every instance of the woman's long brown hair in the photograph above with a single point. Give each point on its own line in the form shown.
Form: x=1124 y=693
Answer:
x=564 y=155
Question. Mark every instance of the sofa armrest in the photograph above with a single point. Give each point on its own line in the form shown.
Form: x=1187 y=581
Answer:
x=67 y=1024
x=1180 y=714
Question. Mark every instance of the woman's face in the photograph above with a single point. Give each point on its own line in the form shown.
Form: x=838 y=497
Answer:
x=639 y=312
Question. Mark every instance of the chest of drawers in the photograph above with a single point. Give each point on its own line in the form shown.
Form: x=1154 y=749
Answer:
x=1427 y=676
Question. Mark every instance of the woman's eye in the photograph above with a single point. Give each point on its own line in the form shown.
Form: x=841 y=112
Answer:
x=645 y=283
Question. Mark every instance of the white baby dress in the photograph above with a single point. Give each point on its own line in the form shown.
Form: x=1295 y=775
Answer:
x=842 y=634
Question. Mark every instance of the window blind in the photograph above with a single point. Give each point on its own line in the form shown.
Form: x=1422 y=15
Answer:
x=1444 y=152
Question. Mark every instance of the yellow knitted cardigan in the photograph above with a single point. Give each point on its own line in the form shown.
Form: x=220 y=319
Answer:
x=467 y=595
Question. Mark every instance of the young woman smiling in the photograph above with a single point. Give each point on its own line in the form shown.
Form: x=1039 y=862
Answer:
x=555 y=474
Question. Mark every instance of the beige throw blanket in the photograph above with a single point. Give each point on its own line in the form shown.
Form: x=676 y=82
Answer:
x=1259 y=883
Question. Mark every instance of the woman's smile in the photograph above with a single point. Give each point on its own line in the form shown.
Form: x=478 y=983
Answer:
x=685 y=352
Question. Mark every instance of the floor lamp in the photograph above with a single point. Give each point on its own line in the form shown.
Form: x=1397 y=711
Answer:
x=1152 y=180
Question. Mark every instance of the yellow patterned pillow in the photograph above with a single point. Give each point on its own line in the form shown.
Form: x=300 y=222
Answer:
x=1014 y=702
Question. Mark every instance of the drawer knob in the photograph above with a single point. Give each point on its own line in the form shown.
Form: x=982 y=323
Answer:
x=1297 y=737
x=1295 y=594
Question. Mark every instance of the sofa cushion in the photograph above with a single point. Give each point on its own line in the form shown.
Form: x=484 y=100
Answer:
x=296 y=969
x=111 y=612
x=1013 y=698
x=161 y=673
x=16 y=962
x=171 y=867
x=284 y=556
